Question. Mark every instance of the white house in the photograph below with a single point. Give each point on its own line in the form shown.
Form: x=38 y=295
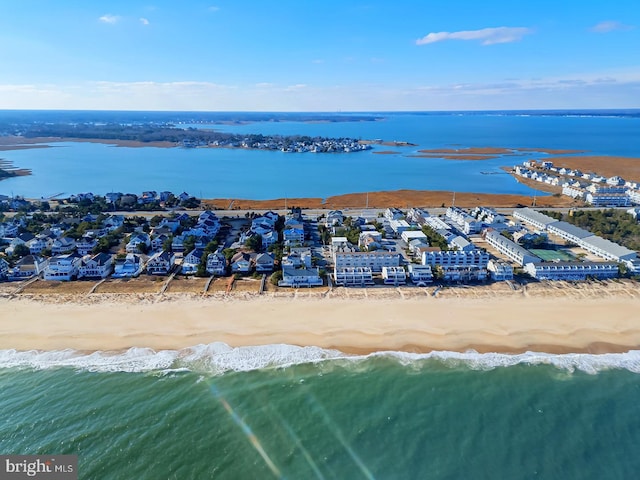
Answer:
x=96 y=266
x=63 y=245
x=510 y=249
x=130 y=266
x=450 y=258
x=334 y=218
x=420 y=275
x=300 y=277
x=500 y=271
x=394 y=275
x=63 y=267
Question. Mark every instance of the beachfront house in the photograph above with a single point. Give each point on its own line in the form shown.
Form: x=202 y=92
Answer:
x=420 y=275
x=27 y=267
x=99 y=265
x=63 y=267
x=500 y=271
x=241 y=262
x=161 y=263
x=192 y=261
x=63 y=245
x=264 y=262
x=38 y=244
x=300 y=277
x=394 y=275
x=129 y=266
x=216 y=264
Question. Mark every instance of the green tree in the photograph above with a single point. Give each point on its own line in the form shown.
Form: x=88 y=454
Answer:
x=254 y=242
x=20 y=251
x=276 y=277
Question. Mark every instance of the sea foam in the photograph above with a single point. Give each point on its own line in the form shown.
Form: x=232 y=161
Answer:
x=218 y=358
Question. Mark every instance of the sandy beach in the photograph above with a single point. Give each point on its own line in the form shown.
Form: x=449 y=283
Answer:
x=351 y=320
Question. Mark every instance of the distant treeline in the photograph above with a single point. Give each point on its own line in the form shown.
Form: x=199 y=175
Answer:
x=148 y=133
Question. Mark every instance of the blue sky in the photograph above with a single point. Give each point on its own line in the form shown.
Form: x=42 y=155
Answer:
x=286 y=55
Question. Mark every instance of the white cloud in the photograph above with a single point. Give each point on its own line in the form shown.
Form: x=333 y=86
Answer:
x=488 y=36
x=110 y=19
x=609 y=26
x=144 y=21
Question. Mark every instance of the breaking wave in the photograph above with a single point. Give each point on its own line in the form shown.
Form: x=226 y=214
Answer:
x=218 y=358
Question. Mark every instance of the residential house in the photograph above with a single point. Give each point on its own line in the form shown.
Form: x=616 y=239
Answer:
x=157 y=242
x=8 y=230
x=63 y=245
x=192 y=261
x=300 y=277
x=500 y=271
x=420 y=275
x=293 y=236
x=113 y=222
x=38 y=244
x=394 y=275
x=96 y=266
x=136 y=242
x=216 y=264
x=393 y=214
x=86 y=245
x=27 y=267
x=264 y=262
x=161 y=263
x=241 y=262
x=335 y=218
x=129 y=266
x=63 y=267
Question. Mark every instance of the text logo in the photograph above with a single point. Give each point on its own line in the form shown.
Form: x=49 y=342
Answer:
x=50 y=467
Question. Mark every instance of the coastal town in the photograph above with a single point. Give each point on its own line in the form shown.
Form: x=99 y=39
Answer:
x=81 y=238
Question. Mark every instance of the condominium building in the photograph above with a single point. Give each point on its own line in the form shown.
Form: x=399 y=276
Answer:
x=373 y=260
x=394 y=275
x=509 y=248
x=571 y=270
x=353 y=276
x=455 y=258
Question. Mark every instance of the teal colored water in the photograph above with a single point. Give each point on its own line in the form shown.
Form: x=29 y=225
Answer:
x=224 y=173
x=385 y=417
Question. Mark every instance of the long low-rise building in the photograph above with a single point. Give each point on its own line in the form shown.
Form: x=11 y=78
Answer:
x=571 y=270
x=533 y=217
x=455 y=258
x=568 y=231
x=353 y=276
x=373 y=260
x=510 y=249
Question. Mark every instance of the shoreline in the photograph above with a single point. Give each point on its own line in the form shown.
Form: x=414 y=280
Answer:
x=350 y=325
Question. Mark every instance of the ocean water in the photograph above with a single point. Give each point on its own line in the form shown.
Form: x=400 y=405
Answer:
x=287 y=412
x=69 y=168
